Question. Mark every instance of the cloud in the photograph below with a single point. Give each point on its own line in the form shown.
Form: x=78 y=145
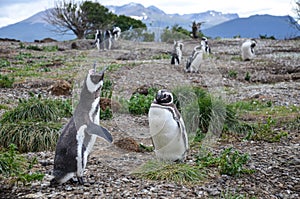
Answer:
x=17 y=10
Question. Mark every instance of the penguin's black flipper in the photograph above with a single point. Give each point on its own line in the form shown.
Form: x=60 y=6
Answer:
x=99 y=131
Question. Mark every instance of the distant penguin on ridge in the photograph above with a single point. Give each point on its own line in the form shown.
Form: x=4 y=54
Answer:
x=248 y=49
x=79 y=134
x=167 y=128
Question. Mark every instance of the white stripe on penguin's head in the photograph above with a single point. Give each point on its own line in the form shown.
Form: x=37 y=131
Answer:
x=93 y=87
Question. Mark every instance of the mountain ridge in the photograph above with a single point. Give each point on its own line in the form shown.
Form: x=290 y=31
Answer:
x=215 y=24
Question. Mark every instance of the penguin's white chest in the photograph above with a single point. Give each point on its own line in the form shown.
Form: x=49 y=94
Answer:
x=166 y=134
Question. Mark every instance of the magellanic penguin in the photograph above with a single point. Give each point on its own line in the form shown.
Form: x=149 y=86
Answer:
x=79 y=134
x=177 y=53
x=248 y=49
x=167 y=128
x=204 y=45
x=194 y=61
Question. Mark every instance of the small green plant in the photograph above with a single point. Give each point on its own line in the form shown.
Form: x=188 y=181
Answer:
x=232 y=74
x=22 y=56
x=6 y=81
x=267 y=37
x=106 y=114
x=237 y=36
x=22 y=45
x=171 y=172
x=139 y=104
x=4 y=63
x=232 y=162
x=247 y=77
x=50 y=48
x=107 y=89
x=265 y=132
x=16 y=168
x=232 y=195
x=228 y=162
x=36 y=48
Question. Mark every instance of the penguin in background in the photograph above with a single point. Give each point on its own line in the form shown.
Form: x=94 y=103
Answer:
x=247 y=49
x=79 y=134
x=194 y=61
x=204 y=45
x=177 y=53
x=99 y=39
x=167 y=128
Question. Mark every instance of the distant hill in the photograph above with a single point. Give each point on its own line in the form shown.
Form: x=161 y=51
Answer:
x=216 y=24
x=35 y=27
x=252 y=27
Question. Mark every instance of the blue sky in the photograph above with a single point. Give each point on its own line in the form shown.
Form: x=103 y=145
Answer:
x=13 y=11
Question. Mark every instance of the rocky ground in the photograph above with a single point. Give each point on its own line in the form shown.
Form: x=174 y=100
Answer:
x=274 y=75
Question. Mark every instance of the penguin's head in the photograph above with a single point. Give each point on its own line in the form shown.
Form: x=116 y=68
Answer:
x=94 y=81
x=164 y=97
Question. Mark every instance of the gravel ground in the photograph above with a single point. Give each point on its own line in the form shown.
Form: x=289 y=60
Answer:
x=275 y=74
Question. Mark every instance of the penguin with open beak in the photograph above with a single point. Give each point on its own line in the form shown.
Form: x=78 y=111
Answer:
x=79 y=134
x=167 y=128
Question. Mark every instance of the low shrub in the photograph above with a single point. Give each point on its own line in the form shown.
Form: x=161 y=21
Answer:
x=16 y=168
x=139 y=104
x=6 y=81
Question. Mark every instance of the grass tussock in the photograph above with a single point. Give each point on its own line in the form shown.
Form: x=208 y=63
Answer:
x=171 y=172
x=30 y=136
x=34 y=124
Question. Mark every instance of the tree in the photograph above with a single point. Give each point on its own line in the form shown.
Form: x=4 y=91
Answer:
x=176 y=32
x=297 y=12
x=196 y=29
x=126 y=23
x=82 y=18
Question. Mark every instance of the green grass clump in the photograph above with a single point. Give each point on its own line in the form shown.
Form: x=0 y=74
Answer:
x=16 y=168
x=106 y=92
x=22 y=56
x=36 y=48
x=229 y=162
x=265 y=132
x=50 y=48
x=161 y=56
x=202 y=112
x=30 y=136
x=38 y=109
x=139 y=104
x=232 y=74
x=171 y=172
x=34 y=124
x=4 y=63
x=232 y=162
x=6 y=82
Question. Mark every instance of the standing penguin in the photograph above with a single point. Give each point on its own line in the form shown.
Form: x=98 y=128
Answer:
x=177 y=53
x=79 y=135
x=167 y=128
x=248 y=49
x=204 y=45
